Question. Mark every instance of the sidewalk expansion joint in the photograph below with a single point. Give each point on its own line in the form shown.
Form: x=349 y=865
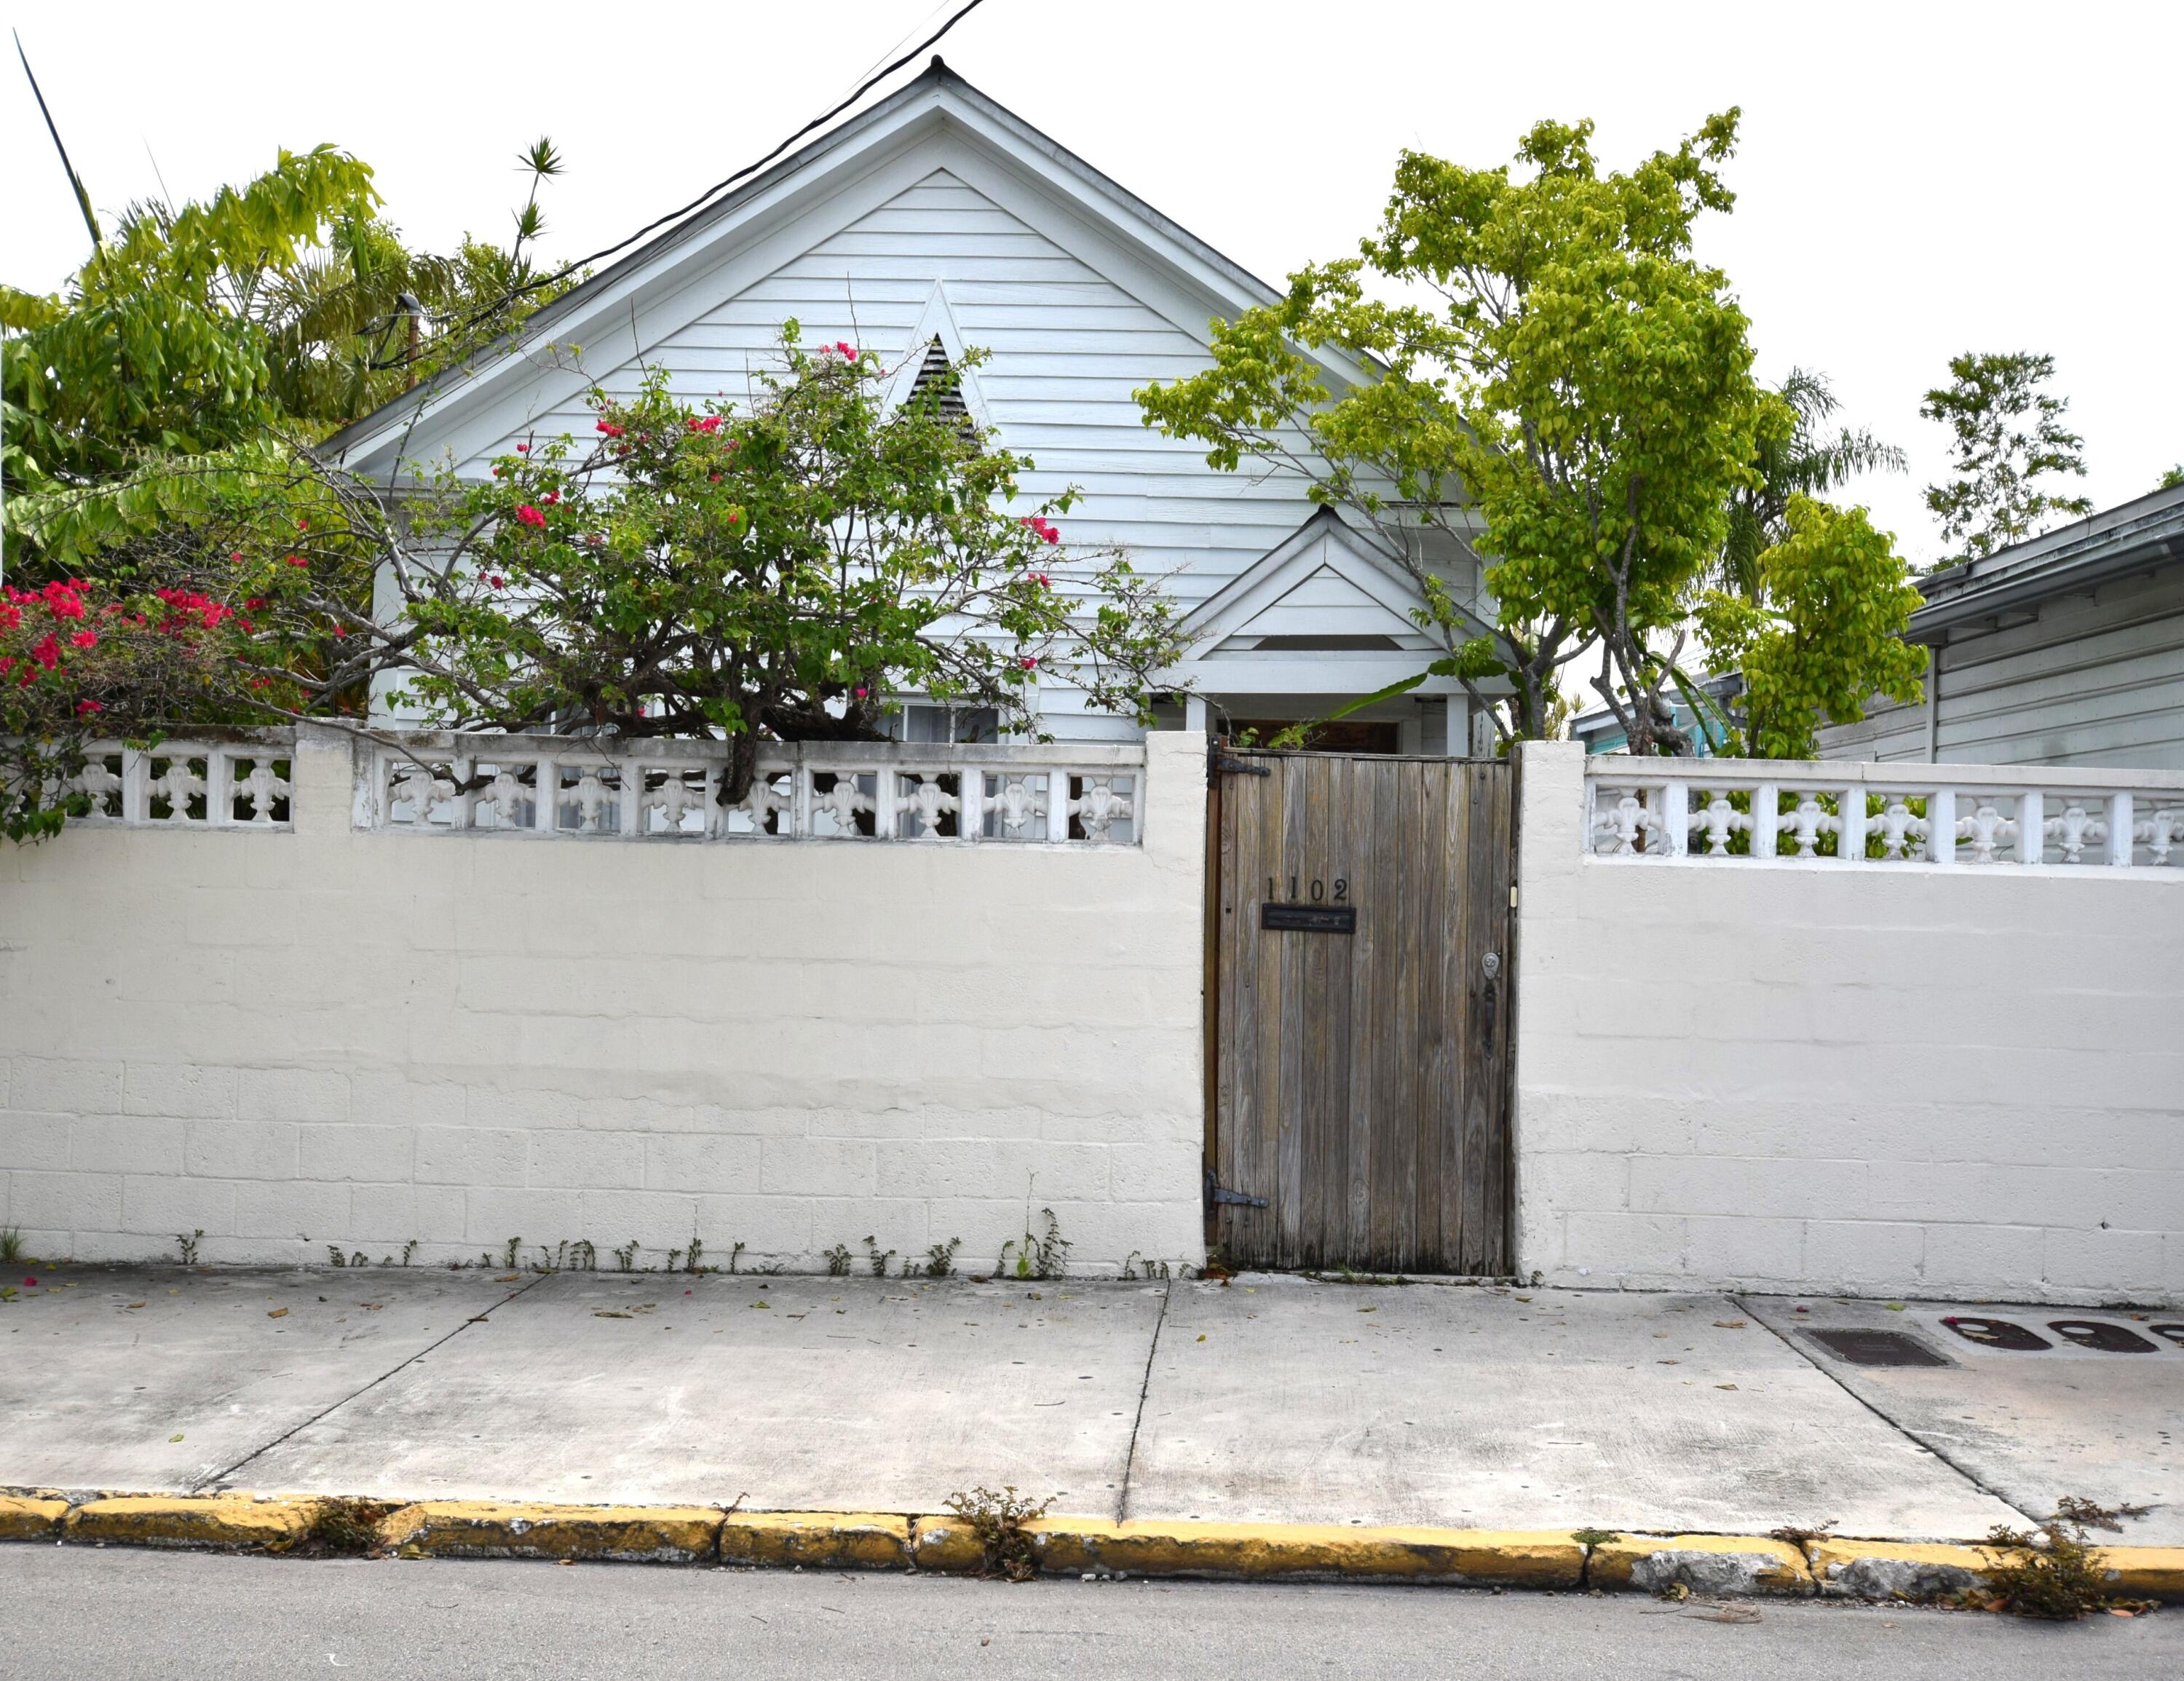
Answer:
x=1144 y=1389
x=1909 y=1435
x=212 y=1481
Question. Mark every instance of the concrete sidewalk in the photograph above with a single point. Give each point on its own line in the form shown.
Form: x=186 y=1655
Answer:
x=1266 y=1399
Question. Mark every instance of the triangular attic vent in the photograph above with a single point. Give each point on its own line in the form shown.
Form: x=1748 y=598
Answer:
x=940 y=386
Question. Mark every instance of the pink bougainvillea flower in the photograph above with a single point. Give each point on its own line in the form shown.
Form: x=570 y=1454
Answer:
x=495 y=580
x=862 y=693
x=303 y=525
x=1029 y=662
x=551 y=498
x=296 y=560
x=48 y=653
x=703 y=423
x=85 y=638
x=610 y=429
x=523 y=450
x=84 y=708
x=531 y=516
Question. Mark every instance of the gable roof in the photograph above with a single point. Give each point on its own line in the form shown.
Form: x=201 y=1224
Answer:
x=647 y=294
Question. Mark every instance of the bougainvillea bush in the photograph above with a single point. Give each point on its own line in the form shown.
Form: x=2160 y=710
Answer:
x=776 y=568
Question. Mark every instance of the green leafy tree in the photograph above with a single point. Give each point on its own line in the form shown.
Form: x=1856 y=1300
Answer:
x=1822 y=631
x=2173 y=477
x=774 y=570
x=2008 y=440
x=1807 y=460
x=1557 y=365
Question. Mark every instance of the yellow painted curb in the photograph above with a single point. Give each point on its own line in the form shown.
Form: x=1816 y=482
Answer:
x=1895 y=1570
x=944 y=1542
x=192 y=1521
x=1485 y=1557
x=1712 y=1564
x=2145 y=1572
x=645 y=1534
x=24 y=1519
x=867 y=1541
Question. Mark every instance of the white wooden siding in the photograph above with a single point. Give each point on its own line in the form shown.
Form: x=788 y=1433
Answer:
x=1068 y=346
x=2097 y=680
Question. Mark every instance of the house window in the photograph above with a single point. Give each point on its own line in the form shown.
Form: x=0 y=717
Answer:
x=922 y=721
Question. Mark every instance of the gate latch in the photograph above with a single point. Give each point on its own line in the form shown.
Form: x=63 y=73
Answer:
x=1219 y=1195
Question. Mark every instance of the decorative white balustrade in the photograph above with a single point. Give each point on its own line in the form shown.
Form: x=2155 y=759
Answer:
x=189 y=784
x=1882 y=813
x=576 y=787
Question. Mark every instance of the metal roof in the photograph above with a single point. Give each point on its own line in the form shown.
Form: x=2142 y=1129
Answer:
x=2139 y=536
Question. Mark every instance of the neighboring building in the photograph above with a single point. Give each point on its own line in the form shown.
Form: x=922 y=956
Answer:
x=2066 y=650
x=939 y=219
x=1600 y=731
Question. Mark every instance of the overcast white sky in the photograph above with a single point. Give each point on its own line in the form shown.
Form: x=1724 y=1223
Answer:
x=1917 y=178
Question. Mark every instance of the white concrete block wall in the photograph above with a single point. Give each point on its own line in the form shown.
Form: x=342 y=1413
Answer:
x=337 y=1037
x=1894 y=1081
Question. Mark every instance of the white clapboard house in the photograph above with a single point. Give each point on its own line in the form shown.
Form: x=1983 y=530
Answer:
x=937 y=220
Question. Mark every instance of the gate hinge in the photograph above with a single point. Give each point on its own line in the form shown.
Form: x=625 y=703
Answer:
x=1224 y=765
x=1218 y=1195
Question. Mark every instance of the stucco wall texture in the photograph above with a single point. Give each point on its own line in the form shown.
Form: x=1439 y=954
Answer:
x=354 y=1038
x=1899 y=1080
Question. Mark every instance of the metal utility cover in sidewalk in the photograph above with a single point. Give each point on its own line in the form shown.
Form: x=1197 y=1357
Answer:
x=1877 y=1348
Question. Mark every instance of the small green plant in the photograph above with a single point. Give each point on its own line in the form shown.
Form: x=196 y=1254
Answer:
x=334 y=1256
x=997 y=1518
x=409 y=1250
x=735 y=1254
x=877 y=1259
x=1135 y=1266
x=940 y=1259
x=348 y=1527
x=674 y=1261
x=187 y=1248
x=697 y=1248
x=11 y=1244
x=1037 y=1257
x=837 y=1261
x=584 y=1257
x=1594 y=1538
x=509 y=1253
x=2054 y=1575
x=626 y=1257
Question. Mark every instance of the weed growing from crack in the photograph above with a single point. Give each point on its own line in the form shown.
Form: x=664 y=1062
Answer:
x=1036 y=1257
x=837 y=1261
x=674 y=1261
x=940 y=1259
x=997 y=1518
x=2053 y=1575
x=187 y=1248
x=626 y=1257
x=735 y=1256
x=1135 y=1266
x=1590 y=1538
x=879 y=1260
x=346 y=1527
x=11 y=1244
x=509 y=1253
x=697 y=1248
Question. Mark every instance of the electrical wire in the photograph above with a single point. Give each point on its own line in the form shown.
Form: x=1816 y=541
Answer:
x=726 y=181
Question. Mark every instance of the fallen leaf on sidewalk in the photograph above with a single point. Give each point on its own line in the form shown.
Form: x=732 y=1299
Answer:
x=1724 y=1386
x=128 y=1305
x=175 y=1439
x=276 y=1313
x=1667 y=1363
x=1729 y=1324
x=608 y=1313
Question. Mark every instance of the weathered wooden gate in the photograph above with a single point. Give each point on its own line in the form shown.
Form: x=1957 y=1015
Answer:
x=1358 y=1011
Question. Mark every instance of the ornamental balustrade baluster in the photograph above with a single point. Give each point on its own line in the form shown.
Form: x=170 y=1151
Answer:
x=1722 y=821
x=674 y=799
x=2076 y=829
x=1809 y=821
x=590 y=797
x=261 y=788
x=176 y=785
x=842 y=802
x=763 y=799
x=1099 y=807
x=97 y=783
x=1902 y=831
x=1986 y=829
x=1624 y=822
x=2160 y=833
x=1015 y=804
x=503 y=795
x=927 y=800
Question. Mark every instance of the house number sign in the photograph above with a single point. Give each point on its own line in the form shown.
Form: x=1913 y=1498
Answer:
x=1314 y=910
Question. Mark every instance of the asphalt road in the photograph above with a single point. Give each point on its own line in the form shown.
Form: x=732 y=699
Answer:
x=116 y=1615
